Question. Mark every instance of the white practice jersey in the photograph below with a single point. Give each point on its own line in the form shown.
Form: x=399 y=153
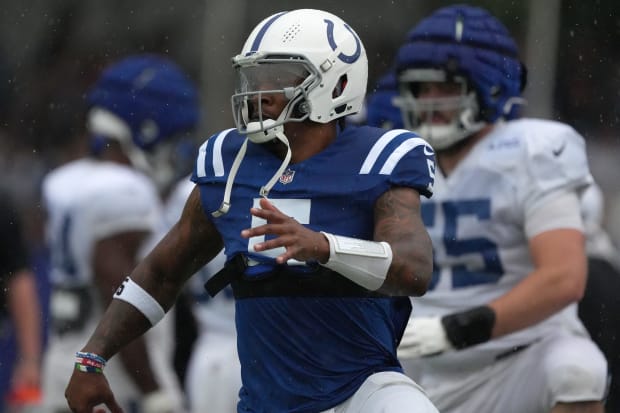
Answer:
x=88 y=200
x=477 y=222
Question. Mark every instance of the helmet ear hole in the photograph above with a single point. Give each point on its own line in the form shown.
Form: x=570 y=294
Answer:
x=338 y=91
x=340 y=86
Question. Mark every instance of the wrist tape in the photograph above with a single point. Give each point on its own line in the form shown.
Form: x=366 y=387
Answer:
x=89 y=362
x=135 y=295
x=469 y=327
x=364 y=262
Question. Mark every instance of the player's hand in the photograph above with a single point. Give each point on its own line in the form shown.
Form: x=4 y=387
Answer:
x=86 y=391
x=157 y=402
x=423 y=337
x=299 y=242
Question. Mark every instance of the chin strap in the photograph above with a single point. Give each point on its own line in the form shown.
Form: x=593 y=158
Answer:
x=225 y=206
x=279 y=135
x=262 y=136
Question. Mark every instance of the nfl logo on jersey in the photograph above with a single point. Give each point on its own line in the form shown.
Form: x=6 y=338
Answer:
x=287 y=176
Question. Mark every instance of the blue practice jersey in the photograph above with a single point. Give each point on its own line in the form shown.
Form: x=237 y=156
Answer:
x=308 y=337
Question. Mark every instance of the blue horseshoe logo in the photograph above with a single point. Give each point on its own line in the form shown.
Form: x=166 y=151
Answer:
x=332 y=43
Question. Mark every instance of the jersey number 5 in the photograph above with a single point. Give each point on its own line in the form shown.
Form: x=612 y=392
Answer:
x=296 y=208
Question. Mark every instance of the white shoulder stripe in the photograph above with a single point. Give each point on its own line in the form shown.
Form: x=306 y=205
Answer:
x=200 y=162
x=401 y=151
x=378 y=147
x=218 y=161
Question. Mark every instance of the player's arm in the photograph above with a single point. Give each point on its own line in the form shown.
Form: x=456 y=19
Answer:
x=189 y=245
x=560 y=268
x=113 y=258
x=399 y=223
x=557 y=247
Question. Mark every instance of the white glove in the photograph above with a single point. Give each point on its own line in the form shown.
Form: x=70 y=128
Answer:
x=158 y=402
x=423 y=336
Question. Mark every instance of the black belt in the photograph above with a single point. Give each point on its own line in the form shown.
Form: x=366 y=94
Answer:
x=233 y=269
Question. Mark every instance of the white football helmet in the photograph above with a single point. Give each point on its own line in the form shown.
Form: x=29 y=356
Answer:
x=312 y=57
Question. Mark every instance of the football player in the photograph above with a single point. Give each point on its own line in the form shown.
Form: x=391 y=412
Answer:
x=102 y=210
x=498 y=330
x=320 y=225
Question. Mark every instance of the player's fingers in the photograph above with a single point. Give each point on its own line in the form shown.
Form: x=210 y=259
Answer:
x=271 y=229
x=283 y=259
x=267 y=205
x=283 y=241
x=113 y=406
x=269 y=215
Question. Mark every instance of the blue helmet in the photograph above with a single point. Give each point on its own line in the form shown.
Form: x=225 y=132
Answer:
x=147 y=104
x=465 y=44
x=151 y=95
x=380 y=108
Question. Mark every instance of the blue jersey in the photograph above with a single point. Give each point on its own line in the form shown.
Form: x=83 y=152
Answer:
x=308 y=337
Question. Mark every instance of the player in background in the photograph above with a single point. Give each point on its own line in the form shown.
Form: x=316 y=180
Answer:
x=102 y=210
x=498 y=330
x=20 y=313
x=598 y=309
x=321 y=276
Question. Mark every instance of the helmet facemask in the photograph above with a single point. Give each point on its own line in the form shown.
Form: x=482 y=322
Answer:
x=259 y=75
x=459 y=115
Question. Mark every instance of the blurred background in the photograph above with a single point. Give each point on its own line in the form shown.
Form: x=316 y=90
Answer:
x=52 y=50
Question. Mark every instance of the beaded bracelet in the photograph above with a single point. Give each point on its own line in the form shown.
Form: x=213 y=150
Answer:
x=89 y=362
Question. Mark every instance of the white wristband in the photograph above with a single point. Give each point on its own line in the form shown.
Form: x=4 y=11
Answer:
x=364 y=262
x=135 y=295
